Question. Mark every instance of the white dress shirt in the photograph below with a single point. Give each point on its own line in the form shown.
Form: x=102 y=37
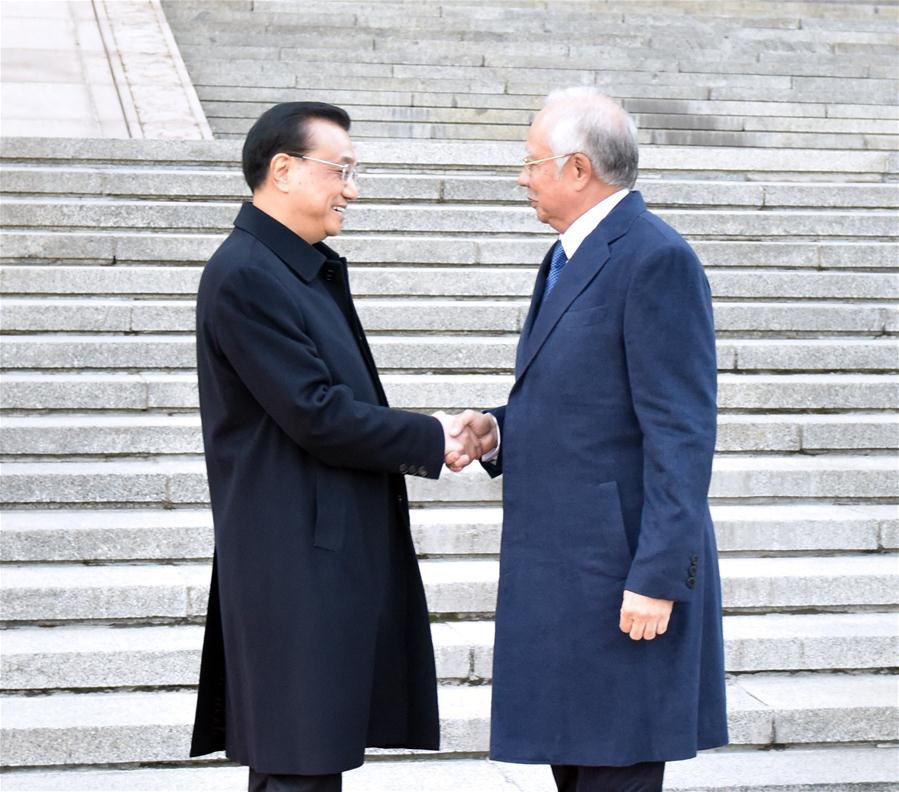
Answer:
x=581 y=228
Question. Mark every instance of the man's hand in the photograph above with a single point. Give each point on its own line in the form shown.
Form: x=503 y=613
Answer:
x=644 y=617
x=461 y=448
x=482 y=425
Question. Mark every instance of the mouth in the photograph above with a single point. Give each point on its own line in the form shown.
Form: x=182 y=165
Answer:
x=339 y=209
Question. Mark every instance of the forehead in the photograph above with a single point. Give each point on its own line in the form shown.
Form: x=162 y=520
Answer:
x=328 y=138
x=537 y=134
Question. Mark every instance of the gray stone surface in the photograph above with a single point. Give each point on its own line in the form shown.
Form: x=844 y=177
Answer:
x=35 y=535
x=83 y=657
x=820 y=582
x=208 y=216
x=67 y=391
x=164 y=482
x=128 y=727
x=436 y=353
x=438 y=315
x=454 y=587
x=79 y=435
x=834 y=769
x=800 y=249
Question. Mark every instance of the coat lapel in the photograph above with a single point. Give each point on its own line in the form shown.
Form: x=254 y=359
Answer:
x=528 y=325
x=585 y=265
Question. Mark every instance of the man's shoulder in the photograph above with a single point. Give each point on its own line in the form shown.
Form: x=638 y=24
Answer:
x=239 y=253
x=657 y=232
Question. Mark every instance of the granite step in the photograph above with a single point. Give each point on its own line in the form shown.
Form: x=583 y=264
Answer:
x=68 y=390
x=833 y=769
x=547 y=54
x=398 y=314
x=455 y=588
x=410 y=155
x=62 y=435
x=182 y=183
x=75 y=249
x=229 y=123
x=115 y=728
x=99 y=657
x=480 y=282
x=437 y=354
x=64 y=212
x=101 y=535
x=182 y=481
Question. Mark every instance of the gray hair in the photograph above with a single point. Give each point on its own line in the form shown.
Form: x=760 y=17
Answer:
x=588 y=121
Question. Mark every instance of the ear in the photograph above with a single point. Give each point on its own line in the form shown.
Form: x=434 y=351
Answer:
x=279 y=171
x=583 y=170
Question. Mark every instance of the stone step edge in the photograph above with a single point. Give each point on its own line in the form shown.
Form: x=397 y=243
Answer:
x=106 y=657
x=473 y=154
x=763 y=709
x=834 y=769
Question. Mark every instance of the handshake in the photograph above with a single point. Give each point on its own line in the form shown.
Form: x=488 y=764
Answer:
x=467 y=437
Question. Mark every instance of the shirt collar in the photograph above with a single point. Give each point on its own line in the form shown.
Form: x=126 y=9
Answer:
x=304 y=259
x=581 y=228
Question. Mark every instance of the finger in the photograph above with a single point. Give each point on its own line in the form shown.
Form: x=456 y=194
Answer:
x=663 y=626
x=625 y=622
x=649 y=631
x=636 y=632
x=461 y=421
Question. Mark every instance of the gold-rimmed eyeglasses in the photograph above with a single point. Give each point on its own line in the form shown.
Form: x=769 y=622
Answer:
x=348 y=172
x=527 y=164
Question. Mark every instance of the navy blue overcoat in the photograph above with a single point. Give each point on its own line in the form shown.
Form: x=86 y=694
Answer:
x=606 y=457
x=317 y=635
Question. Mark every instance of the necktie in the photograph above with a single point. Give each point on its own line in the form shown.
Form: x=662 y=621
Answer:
x=559 y=260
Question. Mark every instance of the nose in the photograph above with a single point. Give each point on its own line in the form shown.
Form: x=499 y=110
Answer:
x=523 y=177
x=350 y=190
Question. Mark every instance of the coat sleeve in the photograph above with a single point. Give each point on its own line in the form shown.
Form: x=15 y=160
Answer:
x=669 y=339
x=258 y=328
x=494 y=467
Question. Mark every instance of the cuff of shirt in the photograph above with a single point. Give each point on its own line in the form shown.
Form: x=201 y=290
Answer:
x=493 y=453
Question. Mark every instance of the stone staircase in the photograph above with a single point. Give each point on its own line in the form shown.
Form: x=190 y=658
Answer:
x=105 y=529
x=723 y=73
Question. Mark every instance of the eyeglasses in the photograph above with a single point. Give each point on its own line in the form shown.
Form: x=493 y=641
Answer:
x=527 y=164
x=348 y=172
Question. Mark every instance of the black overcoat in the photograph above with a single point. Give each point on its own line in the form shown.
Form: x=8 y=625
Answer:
x=317 y=637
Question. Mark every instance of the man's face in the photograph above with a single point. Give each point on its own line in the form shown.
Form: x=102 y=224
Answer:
x=319 y=194
x=548 y=188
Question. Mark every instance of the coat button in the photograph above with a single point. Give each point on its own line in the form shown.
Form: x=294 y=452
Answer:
x=404 y=468
x=691 y=582
x=694 y=559
x=692 y=570
x=422 y=472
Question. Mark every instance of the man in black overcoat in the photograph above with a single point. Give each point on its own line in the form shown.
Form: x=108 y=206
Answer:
x=317 y=638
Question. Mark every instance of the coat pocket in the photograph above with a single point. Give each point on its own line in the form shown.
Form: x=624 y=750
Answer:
x=613 y=555
x=331 y=496
x=586 y=316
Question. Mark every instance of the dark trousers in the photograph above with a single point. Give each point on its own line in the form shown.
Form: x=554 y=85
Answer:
x=643 y=777
x=263 y=782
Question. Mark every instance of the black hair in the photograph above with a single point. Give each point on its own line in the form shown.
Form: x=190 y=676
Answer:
x=284 y=127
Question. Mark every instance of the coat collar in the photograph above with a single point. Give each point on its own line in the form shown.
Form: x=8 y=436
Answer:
x=304 y=259
x=584 y=266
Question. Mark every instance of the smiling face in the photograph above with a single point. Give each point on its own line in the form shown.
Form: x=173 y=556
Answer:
x=318 y=195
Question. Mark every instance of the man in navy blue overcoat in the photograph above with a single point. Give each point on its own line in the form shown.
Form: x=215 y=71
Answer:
x=317 y=636
x=608 y=657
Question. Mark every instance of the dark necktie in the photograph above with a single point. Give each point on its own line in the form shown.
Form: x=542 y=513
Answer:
x=559 y=260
